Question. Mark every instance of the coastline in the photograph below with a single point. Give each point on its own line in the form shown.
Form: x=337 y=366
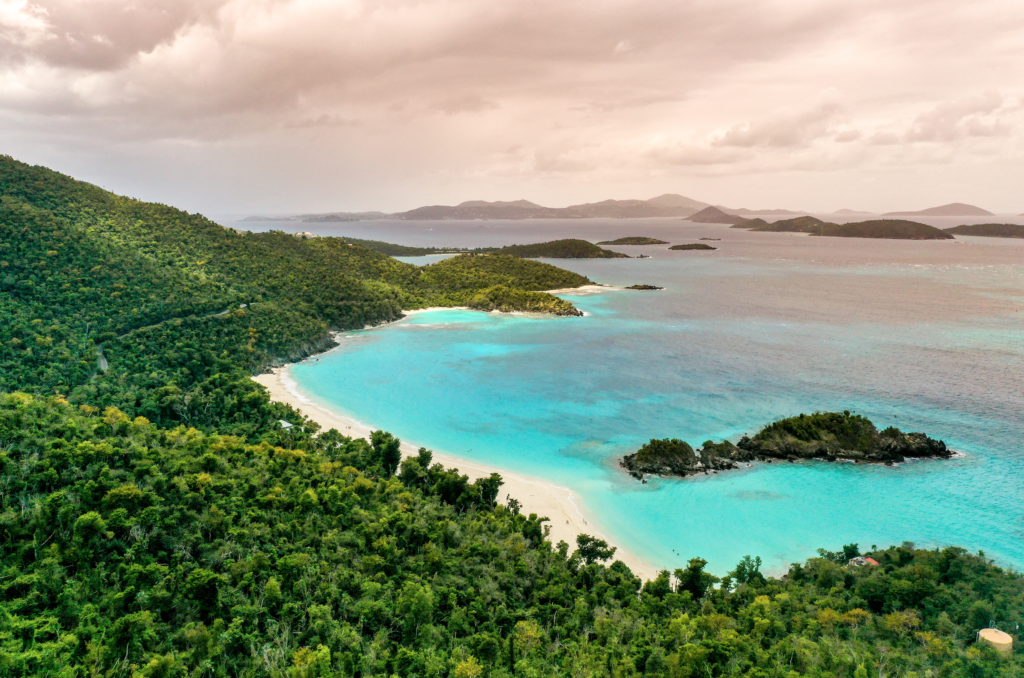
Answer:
x=584 y=290
x=559 y=504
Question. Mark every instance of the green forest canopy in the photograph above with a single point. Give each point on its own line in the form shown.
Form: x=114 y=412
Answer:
x=156 y=521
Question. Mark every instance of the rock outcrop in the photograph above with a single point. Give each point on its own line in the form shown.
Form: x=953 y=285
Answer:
x=828 y=436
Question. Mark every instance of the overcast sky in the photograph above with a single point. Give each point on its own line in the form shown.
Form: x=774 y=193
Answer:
x=258 y=106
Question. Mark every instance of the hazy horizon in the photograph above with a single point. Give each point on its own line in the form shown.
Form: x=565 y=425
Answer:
x=304 y=106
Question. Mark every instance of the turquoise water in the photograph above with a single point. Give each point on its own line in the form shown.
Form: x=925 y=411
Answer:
x=925 y=336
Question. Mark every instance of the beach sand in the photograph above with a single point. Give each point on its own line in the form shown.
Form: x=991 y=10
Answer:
x=567 y=514
x=584 y=290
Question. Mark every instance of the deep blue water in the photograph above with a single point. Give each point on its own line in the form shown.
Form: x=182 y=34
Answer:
x=925 y=336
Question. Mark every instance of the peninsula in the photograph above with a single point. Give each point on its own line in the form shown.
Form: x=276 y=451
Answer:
x=989 y=230
x=561 y=249
x=828 y=436
x=894 y=229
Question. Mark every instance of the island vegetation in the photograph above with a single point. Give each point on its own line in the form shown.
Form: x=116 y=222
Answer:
x=693 y=246
x=896 y=229
x=829 y=436
x=644 y=287
x=989 y=230
x=569 y=248
x=634 y=240
x=510 y=299
x=157 y=519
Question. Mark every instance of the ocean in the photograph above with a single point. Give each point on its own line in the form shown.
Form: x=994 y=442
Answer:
x=926 y=336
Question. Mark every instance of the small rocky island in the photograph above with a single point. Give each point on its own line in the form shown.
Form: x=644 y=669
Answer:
x=634 y=240
x=693 y=246
x=644 y=287
x=829 y=436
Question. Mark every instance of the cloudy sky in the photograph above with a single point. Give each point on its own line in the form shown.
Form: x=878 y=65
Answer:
x=313 y=105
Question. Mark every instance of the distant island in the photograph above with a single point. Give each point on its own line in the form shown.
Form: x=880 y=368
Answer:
x=693 y=246
x=634 y=240
x=644 y=287
x=953 y=209
x=828 y=436
x=895 y=229
x=561 y=249
x=713 y=215
x=989 y=230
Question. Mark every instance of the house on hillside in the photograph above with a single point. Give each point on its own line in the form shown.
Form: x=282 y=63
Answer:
x=861 y=561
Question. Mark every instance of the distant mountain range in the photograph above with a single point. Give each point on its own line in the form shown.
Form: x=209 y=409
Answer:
x=667 y=205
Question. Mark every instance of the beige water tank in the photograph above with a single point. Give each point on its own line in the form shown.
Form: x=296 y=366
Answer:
x=997 y=639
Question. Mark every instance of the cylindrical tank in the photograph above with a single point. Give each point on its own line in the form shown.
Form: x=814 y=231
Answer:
x=997 y=639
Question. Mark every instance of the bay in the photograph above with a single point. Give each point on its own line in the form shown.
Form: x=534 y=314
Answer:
x=927 y=336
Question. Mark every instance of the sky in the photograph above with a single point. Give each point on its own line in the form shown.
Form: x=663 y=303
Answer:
x=280 y=106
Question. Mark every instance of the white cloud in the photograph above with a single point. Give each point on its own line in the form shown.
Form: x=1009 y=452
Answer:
x=22 y=24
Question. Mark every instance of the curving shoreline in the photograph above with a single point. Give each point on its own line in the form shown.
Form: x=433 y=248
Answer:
x=567 y=519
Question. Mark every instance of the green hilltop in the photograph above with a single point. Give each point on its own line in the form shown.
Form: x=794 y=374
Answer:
x=157 y=520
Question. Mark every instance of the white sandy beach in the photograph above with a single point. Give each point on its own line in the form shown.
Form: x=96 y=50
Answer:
x=584 y=290
x=568 y=516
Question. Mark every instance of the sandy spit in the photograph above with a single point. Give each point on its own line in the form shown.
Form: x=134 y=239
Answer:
x=566 y=511
x=584 y=290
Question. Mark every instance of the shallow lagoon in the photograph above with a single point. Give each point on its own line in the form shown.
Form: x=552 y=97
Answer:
x=925 y=336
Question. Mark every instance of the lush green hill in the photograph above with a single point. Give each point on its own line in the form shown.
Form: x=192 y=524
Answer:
x=562 y=249
x=989 y=230
x=113 y=301
x=634 y=240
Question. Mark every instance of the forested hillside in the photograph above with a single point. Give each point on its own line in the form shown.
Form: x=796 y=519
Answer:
x=156 y=520
x=113 y=301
